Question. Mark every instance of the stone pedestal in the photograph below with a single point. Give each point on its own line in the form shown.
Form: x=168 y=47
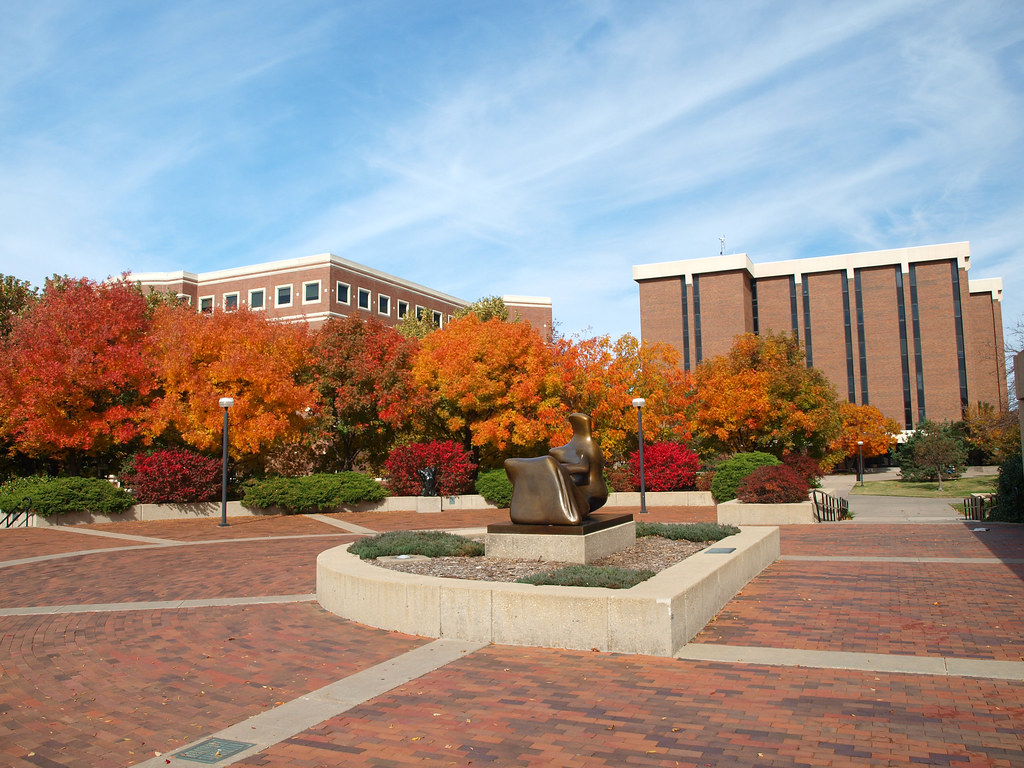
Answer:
x=598 y=536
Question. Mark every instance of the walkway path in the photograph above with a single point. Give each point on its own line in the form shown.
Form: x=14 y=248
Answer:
x=125 y=650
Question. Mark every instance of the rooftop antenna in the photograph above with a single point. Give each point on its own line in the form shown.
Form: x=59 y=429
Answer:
x=721 y=250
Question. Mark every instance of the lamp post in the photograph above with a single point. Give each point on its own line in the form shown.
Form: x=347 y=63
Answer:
x=638 y=403
x=860 y=456
x=225 y=403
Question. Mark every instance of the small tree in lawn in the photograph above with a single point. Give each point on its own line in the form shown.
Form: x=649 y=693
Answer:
x=931 y=452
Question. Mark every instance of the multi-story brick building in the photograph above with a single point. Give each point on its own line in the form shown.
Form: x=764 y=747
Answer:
x=903 y=329
x=316 y=288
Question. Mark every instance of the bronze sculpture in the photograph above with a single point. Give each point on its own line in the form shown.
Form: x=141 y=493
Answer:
x=565 y=486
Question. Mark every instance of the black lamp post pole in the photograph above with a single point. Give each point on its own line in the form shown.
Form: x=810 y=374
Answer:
x=639 y=404
x=225 y=403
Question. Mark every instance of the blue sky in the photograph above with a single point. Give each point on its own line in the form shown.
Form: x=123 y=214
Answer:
x=538 y=148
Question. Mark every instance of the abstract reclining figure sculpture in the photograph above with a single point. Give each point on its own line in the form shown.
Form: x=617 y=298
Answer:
x=565 y=486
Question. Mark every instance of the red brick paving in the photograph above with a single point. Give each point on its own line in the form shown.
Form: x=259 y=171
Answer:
x=916 y=540
x=111 y=689
x=537 y=707
x=927 y=609
x=19 y=543
x=206 y=529
x=231 y=569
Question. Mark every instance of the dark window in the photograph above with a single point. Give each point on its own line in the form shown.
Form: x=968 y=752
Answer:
x=807 y=321
x=343 y=293
x=383 y=305
x=256 y=299
x=437 y=318
x=916 y=316
x=696 y=317
x=901 y=308
x=403 y=308
x=311 y=292
x=364 y=298
x=230 y=301
x=284 y=296
x=794 y=317
x=206 y=305
x=753 y=306
x=861 y=341
x=961 y=357
x=686 y=325
x=851 y=390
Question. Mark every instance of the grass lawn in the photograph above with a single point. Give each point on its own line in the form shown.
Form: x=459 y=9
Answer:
x=951 y=489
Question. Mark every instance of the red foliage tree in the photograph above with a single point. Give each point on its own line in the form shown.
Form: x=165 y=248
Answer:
x=452 y=463
x=667 y=467
x=74 y=377
x=777 y=484
x=169 y=477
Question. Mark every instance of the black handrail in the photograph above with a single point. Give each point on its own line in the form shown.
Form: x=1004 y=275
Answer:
x=829 y=508
x=20 y=512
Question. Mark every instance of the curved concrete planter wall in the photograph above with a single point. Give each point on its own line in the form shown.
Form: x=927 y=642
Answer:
x=656 y=618
x=738 y=513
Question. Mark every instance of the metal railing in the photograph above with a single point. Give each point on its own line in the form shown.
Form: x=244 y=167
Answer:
x=11 y=517
x=829 y=508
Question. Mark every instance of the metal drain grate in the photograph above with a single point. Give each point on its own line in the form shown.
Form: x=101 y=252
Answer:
x=720 y=550
x=213 y=751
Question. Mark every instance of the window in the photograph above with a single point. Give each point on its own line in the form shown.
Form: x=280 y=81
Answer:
x=231 y=301
x=184 y=298
x=206 y=305
x=403 y=309
x=284 y=295
x=311 y=292
x=343 y=294
x=257 y=299
x=437 y=318
x=419 y=312
x=383 y=304
x=364 y=298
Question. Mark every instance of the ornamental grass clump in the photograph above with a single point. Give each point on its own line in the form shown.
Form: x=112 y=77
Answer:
x=687 y=531
x=428 y=543
x=589 y=576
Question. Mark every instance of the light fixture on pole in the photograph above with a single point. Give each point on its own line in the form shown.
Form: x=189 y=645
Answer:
x=638 y=403
x=860 y=454
x=225 y=403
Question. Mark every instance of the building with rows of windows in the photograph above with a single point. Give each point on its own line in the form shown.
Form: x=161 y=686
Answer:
x=316 y=288
x=903 y=330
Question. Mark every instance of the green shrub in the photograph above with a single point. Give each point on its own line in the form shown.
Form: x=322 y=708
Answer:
x=313 y=492
x=687 y=531
x=731 y=472
x=429 y=543
x=495 y=486
x=589 y=576
x=64 y=495
x=1010 y=490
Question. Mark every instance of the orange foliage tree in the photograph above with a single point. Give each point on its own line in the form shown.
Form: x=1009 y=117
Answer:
x=492 y=385
x=761 y=396
x=601 y=378
x=200 y=358
x=364 y=375
x=73 y=376
x=868 y=424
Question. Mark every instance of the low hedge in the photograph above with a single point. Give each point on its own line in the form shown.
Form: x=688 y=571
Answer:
x=65 y=495
x=312 y=493
x=495 y=487
x=428 y=543
x=687 y=531
x=589 y=576
x=731 y=472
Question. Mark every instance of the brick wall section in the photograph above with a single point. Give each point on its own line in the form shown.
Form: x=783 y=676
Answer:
x=828 y=339
x=538 y=317
x=881 y=337
x=661 y=314
x=938 y=340
x=725 y=310
x=773 y=309
x=985 y=363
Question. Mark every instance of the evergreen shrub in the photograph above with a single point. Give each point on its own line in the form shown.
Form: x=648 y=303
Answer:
x=454 y=466
x=731 y=472
x=168 y=477
x=773 y=485
x=312 y=493
x=589 y=576
x=495 y=487
x=667 y=467
x=1010 y=490
x=65 y=495
x=687 y=531
x=428 y=543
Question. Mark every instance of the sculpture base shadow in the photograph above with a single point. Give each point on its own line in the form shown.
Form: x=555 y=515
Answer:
x=590 y=524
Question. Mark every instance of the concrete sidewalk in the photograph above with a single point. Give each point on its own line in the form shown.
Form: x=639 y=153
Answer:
x=864 y=645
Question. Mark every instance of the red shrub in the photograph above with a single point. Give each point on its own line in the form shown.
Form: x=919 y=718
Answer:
x=777 y=484
x=704 y=480
x=667 y=467
x=809 y=469
x=169 y=477
x=620 y=478
x=454 y=468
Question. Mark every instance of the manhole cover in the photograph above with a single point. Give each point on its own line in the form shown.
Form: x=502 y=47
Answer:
x=213 y=751
x=720 y=550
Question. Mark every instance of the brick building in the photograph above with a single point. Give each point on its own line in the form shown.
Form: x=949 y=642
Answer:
x=903 y=330
x=316 y=288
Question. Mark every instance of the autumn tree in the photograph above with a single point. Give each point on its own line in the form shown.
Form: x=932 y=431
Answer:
x=990 y=435
x=486 y=308
x=762 y=397
x=493 y=385
x=200 y=358
x=601 y=378
x=867 y=424
x=367 y=396
x=74 y=377
x=934 y=450
x=15 y=297
x=413 y=327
